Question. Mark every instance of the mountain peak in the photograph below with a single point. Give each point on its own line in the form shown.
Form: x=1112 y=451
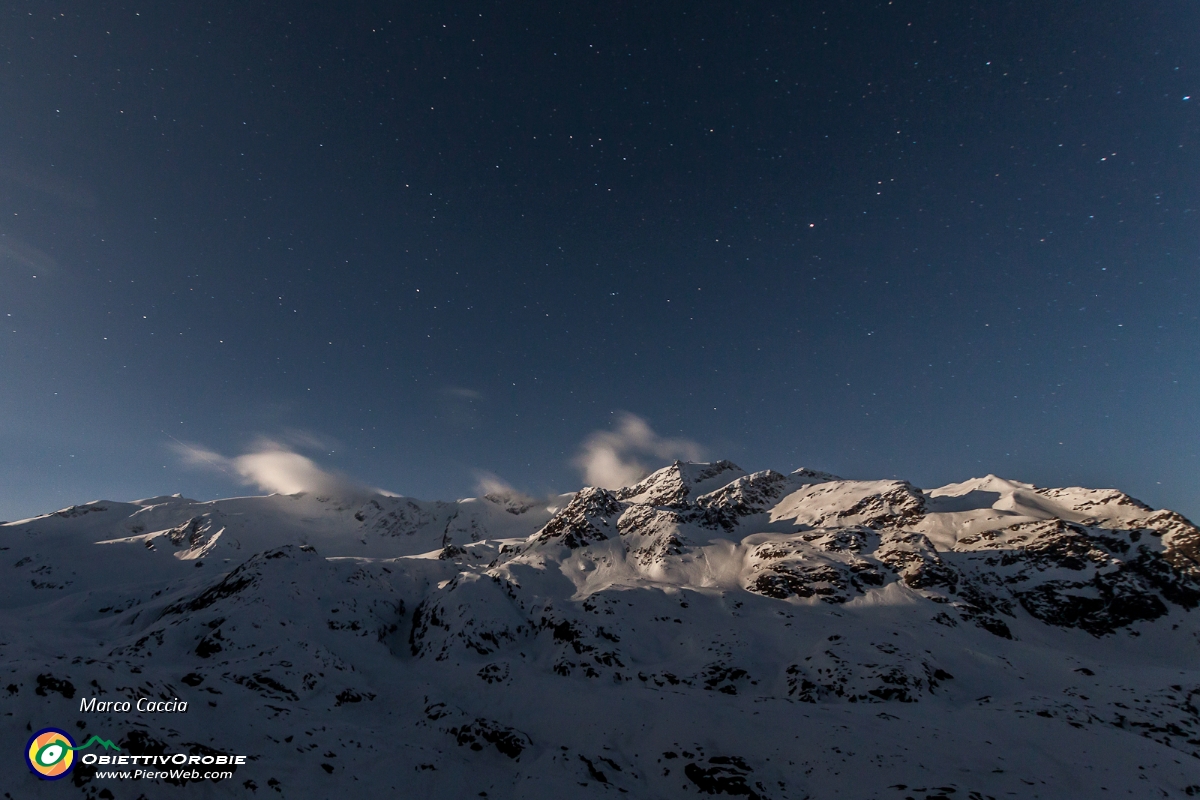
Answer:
x=679 y=482
x=815 y=475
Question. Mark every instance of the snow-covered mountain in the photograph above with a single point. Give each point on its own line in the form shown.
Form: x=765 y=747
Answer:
x=704 y=632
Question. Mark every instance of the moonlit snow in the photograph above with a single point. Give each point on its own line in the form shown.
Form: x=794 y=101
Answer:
x=702 y=632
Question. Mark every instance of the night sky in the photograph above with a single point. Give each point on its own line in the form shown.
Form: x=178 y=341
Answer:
x=427 y=245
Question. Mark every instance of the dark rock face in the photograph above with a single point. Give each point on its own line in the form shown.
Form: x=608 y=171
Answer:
x=651 y=534
x=190 y=534
x=899 y=507
x=1181 y=541
x=781 y=582
x=1099 y=606
x=1097 y=579
x=513 y=504
x=916 y=562
x=48 y=683
x=752 y=494
x=478 y=733
x=799 y=566
x=79 y=511
x=833 y=582
x=589 y=517
x=675 y=485
x=879 y=673
x=723 y=775
x=977 y=602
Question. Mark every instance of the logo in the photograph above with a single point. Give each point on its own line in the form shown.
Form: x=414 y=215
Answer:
x=51 y=752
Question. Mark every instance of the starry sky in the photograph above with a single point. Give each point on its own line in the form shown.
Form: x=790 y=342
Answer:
x=436 y=246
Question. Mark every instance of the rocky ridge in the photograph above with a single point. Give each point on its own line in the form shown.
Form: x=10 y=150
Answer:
x=782 y=625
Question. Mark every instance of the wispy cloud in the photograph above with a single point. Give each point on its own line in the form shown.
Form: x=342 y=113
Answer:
x=273 y=467
x=26 y=254
x=462 y=392
x=610 y=459
x=489 y=484
x=459 y=408
x=51 y=186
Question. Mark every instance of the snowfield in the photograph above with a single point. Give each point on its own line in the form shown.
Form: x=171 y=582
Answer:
x=704 y=632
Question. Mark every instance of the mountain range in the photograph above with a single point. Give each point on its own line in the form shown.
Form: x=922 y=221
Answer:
x=703 y=632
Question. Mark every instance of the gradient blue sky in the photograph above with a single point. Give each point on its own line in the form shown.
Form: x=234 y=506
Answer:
x=922 y=240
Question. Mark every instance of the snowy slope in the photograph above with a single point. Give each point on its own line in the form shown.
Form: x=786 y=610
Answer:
x=706 y=631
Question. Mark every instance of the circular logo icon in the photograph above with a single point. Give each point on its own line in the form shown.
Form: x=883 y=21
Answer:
x=50 y=753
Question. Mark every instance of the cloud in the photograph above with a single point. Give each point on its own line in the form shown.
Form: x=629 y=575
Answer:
x=285 y=472
x=490 y=483
x=459 y=408
x=464 y=393
x=273 y=467
x=26 y=254
x=51 y=186
x=609 y=459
